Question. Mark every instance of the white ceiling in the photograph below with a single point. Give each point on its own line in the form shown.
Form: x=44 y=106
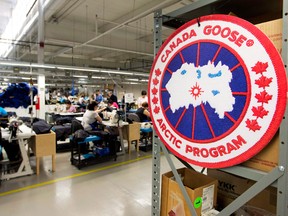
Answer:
x=90 y=33
x=6 y=7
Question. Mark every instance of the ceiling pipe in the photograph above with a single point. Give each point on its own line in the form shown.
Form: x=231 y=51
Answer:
x=146 y=11
x=70 y=44
x=140 y=15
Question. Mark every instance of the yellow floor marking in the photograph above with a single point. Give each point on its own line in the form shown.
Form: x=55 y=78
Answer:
x=73 y=176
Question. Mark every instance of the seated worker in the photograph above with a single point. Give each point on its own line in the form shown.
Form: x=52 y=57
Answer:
x=70 y=108
x=112 y=105
x=143 y=113
x=143 y=98
x=91 y=117
x=112 y=97
x=98 y=97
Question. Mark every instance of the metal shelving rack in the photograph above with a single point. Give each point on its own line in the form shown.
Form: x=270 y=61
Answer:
x=277 y=177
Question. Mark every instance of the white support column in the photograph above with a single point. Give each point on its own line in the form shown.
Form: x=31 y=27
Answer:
x=41 y=94
x=41 y=77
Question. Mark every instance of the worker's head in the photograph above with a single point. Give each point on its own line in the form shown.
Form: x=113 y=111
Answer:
x=68 y=103
x=143 y=93
x=145 y=105
x=109 y=102
x=92 y=106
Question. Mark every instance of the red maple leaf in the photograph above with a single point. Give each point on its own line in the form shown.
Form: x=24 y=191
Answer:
x=260 y=67
x=259 y=111
x=252 y=125
x=154 y=91
x=155 y=100
x=263 y=81
x=156 y=109
x=158 y=72
x=263 y=97
x=155 y=81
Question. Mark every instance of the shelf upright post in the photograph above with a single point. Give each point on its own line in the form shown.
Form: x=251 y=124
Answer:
x=155 y=211
x=156 y=196
x=282 y=191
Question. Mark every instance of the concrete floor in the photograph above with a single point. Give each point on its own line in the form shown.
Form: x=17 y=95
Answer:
x=113 y=188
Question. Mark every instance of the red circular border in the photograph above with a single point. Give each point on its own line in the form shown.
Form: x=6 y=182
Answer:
x=281 y=81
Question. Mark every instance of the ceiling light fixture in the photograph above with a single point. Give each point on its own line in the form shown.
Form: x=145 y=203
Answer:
x=97 y=77
x=77 y=69
x=13 y=77
x=116 y=72
x=132 y=80
x=80 y=76
x=27 y=78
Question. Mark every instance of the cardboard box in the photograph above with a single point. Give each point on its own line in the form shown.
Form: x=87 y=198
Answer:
x=273 y=29
x=201 y=189
x=231 y=186
x=266 y=159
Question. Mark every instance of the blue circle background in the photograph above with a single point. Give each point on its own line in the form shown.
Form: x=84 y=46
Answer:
x=202 y=132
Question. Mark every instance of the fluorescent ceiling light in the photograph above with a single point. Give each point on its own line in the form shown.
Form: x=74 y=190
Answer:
x=82 y=81
x=97 y=77
x=130 y=83
x=137 y=80
x=132 y=80
x=116 y=72
x=141 y=74
x=80 y=76
x=13 y=77
x=28 y=73
x=77 y=69
x=95 y=86
x=28 y=78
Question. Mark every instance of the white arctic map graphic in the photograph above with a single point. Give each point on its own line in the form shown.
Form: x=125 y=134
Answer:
x=192 y=85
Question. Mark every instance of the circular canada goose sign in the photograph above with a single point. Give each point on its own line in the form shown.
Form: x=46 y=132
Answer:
x=217 y=91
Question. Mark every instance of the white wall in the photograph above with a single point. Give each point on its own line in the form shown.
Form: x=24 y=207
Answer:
x=135 y=89
x=121 y=90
